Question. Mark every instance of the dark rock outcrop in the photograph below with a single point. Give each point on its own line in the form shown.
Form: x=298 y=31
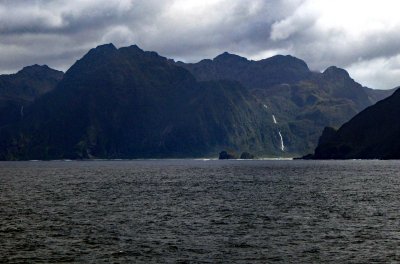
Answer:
x=223 y=155
x=372 y=134
x=246 y=155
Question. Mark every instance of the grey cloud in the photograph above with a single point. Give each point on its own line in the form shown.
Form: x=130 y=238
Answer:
x=301 y=35
x=59 y=32
x=235 y=26
x=53 y=27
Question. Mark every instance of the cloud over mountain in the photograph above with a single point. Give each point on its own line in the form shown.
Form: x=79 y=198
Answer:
x=361 y=36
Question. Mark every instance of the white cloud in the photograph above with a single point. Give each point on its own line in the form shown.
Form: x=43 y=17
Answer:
x=385 y=73
x=298 y=23
x=119 y=34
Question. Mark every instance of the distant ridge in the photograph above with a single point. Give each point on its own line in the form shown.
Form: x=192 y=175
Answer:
x=253 y=74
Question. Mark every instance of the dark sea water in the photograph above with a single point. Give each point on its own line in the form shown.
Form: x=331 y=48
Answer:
x=192 y=211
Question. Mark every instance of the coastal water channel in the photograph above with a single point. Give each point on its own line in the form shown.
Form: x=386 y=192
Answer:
x=200 y=211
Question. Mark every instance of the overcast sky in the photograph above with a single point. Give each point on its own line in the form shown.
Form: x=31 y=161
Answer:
x=362 y=36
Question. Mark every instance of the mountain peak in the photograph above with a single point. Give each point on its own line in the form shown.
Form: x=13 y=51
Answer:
x=108 y=46
x=135 y=47
x=103 y=49
x=34 y=68
x=37 y=70
x=286 y=60
x=97 y=54
x=335 y=72
x=229 y=57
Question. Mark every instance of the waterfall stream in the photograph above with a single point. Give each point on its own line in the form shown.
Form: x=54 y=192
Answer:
x=282 y=147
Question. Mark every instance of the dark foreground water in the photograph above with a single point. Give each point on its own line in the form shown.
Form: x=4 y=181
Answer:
x=188 y=211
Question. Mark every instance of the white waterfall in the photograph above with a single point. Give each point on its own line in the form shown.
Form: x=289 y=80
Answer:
x=22 y=111
x=279 y=132
x=273 y=118
x=282 y=145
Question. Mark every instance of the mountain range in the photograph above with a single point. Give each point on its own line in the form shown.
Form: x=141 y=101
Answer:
x=130 y=103
x=303 y=102
x=127 y=103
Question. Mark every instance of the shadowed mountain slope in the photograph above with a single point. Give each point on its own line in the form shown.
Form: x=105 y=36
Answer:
x=127 y=103
x=372 y=134
x=303 y=102
x=19 y=90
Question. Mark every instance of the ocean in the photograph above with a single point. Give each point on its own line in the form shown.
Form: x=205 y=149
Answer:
x=200 y=211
